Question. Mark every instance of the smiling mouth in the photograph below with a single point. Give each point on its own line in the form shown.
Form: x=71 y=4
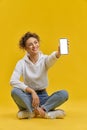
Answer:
x=35 y=49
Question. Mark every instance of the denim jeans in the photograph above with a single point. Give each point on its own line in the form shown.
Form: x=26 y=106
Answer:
x=24 y=99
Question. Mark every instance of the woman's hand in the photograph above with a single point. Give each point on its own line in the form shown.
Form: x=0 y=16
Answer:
x=35 y=98
x=58 y=52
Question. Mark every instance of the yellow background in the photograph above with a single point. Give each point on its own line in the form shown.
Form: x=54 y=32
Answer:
x=51 y=20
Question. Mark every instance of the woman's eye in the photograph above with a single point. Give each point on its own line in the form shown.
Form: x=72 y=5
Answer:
x=35 y=42
x=30 y=44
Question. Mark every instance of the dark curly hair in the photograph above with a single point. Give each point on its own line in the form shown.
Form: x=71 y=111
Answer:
x=25 y=37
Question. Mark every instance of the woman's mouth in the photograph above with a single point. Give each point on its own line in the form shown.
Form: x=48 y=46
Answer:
x=35 y=49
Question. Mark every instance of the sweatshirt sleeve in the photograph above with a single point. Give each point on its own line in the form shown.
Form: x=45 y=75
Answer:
x=15 y=78
x=50 y=60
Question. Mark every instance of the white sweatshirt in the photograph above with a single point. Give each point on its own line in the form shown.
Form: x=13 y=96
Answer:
x=34 y=75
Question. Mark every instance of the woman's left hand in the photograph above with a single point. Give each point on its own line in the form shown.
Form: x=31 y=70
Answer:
x=58 y=52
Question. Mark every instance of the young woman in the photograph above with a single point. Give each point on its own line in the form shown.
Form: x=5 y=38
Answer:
x=30 y=95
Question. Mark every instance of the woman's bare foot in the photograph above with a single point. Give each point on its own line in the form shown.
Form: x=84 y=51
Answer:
x=39 y=112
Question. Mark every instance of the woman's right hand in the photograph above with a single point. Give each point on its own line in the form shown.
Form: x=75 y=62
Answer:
x=35 y=98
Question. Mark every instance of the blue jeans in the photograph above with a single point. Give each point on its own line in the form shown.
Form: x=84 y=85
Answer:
x=24 y=99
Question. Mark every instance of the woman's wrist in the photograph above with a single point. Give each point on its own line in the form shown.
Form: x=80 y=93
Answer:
x=30 y=90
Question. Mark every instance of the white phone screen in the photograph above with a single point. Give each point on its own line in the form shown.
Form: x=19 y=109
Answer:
x=63 y=46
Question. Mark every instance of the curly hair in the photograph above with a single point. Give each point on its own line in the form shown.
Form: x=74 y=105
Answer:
x=25 y=37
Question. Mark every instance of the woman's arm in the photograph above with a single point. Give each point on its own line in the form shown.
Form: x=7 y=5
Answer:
x=35 y=98
x=15 y=82
x=15 y=78
x=52 y=58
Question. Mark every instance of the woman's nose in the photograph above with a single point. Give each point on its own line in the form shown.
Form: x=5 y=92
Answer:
x=33 y=44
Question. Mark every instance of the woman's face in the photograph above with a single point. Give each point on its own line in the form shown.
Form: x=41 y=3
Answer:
x=32 y=45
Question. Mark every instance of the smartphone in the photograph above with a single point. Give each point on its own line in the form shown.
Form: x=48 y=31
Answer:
x=63 y=46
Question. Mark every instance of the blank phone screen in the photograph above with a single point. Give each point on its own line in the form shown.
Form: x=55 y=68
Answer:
x=63 y=46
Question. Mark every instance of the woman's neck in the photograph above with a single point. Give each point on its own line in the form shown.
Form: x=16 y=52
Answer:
x=34 y=58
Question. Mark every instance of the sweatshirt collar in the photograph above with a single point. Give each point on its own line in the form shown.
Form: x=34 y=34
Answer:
x=27 y=59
